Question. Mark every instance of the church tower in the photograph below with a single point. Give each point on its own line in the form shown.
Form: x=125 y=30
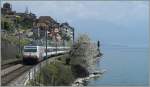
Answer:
x=26 y=11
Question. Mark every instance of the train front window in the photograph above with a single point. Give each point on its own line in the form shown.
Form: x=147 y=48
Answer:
x=30 y=50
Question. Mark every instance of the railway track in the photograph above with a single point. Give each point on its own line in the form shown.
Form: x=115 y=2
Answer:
x=10 y=69
x=4 y=66
x=13 y=74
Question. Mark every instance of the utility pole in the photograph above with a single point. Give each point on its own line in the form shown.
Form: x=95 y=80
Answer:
x=55 y=34
x=19 y=35
x=38 y=26
x=17 y=23
x=56 y=43
x=38 y=35
x=46 y=42
x=46 y=27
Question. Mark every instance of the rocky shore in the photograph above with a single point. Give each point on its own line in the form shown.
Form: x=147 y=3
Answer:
x=83 y=81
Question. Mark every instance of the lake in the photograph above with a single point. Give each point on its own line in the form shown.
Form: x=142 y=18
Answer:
x=124 y=65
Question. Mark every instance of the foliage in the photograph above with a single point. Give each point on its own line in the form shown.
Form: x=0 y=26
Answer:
x=64 y=71
x=18 y=56
x=78 y=53
x=55 y=74
x=83 y=52
x=67 y=61
x=79 y=71
x=65 y=36
x=13 y=40
x=7 y=24
x=24 y=41
x=26 y=23
x=83 y=39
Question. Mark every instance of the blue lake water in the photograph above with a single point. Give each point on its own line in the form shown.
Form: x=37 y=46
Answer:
x=124 y=65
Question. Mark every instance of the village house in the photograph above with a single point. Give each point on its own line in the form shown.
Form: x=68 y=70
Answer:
x=67 y=30
x=46 y=23
x=7 y=12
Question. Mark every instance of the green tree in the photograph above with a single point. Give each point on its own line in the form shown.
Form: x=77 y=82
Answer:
x=7 y=24
x=56 y=74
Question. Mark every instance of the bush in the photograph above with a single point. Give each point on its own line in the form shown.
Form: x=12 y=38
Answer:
x=59 y=59
x=18 y=56
x=67 y=61
x=7 y=24
x=79 y=71
x=56 y=74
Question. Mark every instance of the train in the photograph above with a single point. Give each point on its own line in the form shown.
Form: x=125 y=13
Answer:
x=36 y=54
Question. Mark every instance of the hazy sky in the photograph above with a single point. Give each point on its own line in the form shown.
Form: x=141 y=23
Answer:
x=111 y=22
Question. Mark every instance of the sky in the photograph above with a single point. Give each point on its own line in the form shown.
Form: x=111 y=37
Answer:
x=112 y=22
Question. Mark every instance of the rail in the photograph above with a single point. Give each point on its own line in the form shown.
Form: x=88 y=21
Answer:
x=7 y=78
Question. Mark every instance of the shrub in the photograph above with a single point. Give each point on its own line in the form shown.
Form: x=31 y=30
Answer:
x=79 y=71
x=18 y=56
x=56 y=74
x=67 y=61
